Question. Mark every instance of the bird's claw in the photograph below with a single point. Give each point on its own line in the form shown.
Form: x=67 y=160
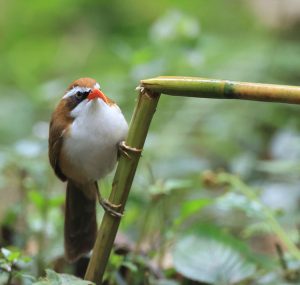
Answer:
x=125 y=149
x=111 y=208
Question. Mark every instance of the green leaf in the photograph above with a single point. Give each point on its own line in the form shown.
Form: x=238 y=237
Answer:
x=56 y=201
x=25 y=259
x=2 y=261
x=11 y=215
x=210 y=261
x=116 y=260
x=37 y=199
x=5 y=265
x=130 y=265
x=53 y=278
x=5 y=252
x=11 y=255
x=191 y=207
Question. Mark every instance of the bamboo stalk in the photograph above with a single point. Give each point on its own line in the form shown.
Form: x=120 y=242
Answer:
x=140 y=122
x=141 y=119
x=222 y=89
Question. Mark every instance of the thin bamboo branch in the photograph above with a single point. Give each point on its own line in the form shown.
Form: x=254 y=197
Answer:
x=222 y=89
x=140 y=122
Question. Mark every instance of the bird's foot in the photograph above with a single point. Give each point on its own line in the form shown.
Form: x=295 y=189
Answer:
x=109 y=207
x=125 y=149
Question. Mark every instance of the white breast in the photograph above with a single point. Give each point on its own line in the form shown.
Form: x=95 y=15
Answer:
x=91 y=145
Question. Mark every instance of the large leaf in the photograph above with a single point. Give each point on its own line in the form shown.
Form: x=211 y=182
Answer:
x=211 y=261
x=53 y=278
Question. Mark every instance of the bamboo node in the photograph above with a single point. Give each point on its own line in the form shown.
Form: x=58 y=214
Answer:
x=140 y=89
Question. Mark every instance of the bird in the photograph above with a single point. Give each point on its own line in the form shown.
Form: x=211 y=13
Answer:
x=86 y=131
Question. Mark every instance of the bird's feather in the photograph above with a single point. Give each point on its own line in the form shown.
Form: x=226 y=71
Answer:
x=58 y=128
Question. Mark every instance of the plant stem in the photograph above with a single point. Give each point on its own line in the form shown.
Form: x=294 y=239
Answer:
x=150 y=90
x=222 y=89
x=140 y=122
x=10 y=276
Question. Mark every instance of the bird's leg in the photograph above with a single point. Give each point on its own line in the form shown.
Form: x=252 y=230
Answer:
x=125 y=150
x=108 y=207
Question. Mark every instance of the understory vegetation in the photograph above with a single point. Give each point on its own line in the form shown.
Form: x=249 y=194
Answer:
x=215 y=199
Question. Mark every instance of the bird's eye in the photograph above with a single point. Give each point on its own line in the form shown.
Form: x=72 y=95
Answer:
x=82 y=94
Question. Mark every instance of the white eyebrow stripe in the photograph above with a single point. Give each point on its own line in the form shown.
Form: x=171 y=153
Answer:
x=76 y=89
x=97 y=85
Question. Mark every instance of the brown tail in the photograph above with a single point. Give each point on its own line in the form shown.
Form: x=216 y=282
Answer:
x=80 y=221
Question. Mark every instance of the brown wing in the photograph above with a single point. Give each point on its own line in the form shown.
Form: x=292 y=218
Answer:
x=58 y=128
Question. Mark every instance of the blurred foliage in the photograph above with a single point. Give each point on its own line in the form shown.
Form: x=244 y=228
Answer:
x=46 y=45
x=11 y=260
x=52 y=278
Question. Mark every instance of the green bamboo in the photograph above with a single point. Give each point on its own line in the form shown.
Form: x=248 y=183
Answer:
x=222 y=89
x=138 y=129
x=150 y=90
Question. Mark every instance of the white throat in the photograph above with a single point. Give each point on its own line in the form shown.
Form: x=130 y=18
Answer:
x=91 y=143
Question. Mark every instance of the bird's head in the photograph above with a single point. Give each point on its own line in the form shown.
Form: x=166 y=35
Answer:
x=82 y=94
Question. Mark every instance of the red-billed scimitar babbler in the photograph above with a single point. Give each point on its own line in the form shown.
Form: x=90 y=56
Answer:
x=86 y=132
